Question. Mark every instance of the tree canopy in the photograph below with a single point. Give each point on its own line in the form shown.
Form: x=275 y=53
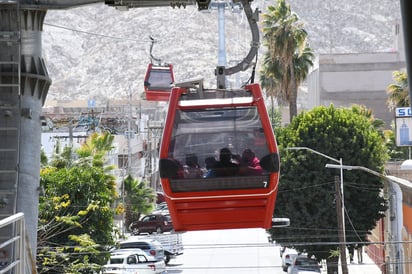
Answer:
x=306 y=188
x=76 y=209
x=398 y=96
x=398 y=92
x=139 y=199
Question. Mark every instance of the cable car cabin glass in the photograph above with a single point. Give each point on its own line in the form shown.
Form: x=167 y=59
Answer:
x=219 y=162
x=158 y=82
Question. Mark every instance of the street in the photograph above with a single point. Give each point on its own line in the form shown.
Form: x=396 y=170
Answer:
x=227 y=251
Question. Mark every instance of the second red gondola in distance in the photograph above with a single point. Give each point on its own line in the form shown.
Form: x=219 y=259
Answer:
x=158 y=82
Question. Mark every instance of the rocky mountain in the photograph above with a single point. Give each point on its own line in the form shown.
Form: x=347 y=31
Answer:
x=99 y=52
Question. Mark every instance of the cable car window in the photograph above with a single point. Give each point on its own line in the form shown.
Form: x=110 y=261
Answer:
x=116 y=260
x=159 y=79
x=223 y=146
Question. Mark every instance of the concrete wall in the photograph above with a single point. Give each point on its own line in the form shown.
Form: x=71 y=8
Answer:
x=356 y=78
x=360 y=78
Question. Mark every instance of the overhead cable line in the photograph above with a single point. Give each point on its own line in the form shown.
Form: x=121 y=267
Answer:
x=96 y=34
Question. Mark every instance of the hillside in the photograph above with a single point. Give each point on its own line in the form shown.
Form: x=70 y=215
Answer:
x=99 y=52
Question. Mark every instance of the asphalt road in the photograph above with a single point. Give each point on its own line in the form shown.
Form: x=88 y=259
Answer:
x=227 y=251
x=244 y=251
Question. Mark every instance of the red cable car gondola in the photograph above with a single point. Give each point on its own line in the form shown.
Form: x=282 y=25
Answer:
x=158 y=82
x=159 y=78
x=199 y=125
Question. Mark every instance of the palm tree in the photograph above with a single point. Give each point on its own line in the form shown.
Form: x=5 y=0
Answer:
x=96 y=147
x=302 y=63
x=399 y=91
x=288 y=59
x=138 y=199
x=270 y=82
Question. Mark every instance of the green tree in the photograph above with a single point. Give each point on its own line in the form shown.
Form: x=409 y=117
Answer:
x=398 y=96
x=398 y=92
x=306 y=189
x=43 y=158
x=139 y=199
x=288 y=58
x=378 y=124
x=395 y=153
x=275 y=117
x=96 y=148
x=62 y=157
x=75 y=210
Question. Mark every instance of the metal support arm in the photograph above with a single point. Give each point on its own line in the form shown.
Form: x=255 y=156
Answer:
x=253 y=18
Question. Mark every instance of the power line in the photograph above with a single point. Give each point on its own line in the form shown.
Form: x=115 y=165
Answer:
x=140 y=41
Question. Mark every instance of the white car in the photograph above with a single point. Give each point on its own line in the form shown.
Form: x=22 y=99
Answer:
x=161 y=208
x=133 y=261
x=304 y=265
x=288 y=254
x=152 y=247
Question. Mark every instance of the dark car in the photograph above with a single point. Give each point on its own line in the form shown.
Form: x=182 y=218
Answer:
x=152 y=223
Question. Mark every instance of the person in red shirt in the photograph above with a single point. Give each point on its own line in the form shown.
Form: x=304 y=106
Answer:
x=250 y=163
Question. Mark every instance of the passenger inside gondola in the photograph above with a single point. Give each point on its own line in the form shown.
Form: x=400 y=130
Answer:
x=250 y=164
x=209 y=164
x=192 y=168
x=225 y=166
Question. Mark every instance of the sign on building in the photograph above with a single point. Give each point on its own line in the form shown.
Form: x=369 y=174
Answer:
x=91 y=103
x=403 y=124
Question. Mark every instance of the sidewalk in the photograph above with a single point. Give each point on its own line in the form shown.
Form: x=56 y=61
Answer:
x=367 y=267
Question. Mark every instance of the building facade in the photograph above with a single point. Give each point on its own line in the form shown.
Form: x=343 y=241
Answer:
x=356 y=78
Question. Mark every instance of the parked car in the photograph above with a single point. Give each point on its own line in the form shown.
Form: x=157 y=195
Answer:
x=133 y=261
x=287 y=254
x=161 y=209
x=171 y=242
x=160 y=197
x=152 y=223
x=304 y=265
x=149 y=246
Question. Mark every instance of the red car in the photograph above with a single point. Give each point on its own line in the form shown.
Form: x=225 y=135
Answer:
x=152 y=223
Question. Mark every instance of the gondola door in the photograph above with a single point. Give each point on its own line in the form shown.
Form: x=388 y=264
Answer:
x=208 y=181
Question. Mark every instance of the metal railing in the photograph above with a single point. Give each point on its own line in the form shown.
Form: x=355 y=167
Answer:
x=15 y=254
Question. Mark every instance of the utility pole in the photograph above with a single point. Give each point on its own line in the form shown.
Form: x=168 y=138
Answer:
x=129 y=134
x=340 y=204
x=341 y=228
x=391 y=182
